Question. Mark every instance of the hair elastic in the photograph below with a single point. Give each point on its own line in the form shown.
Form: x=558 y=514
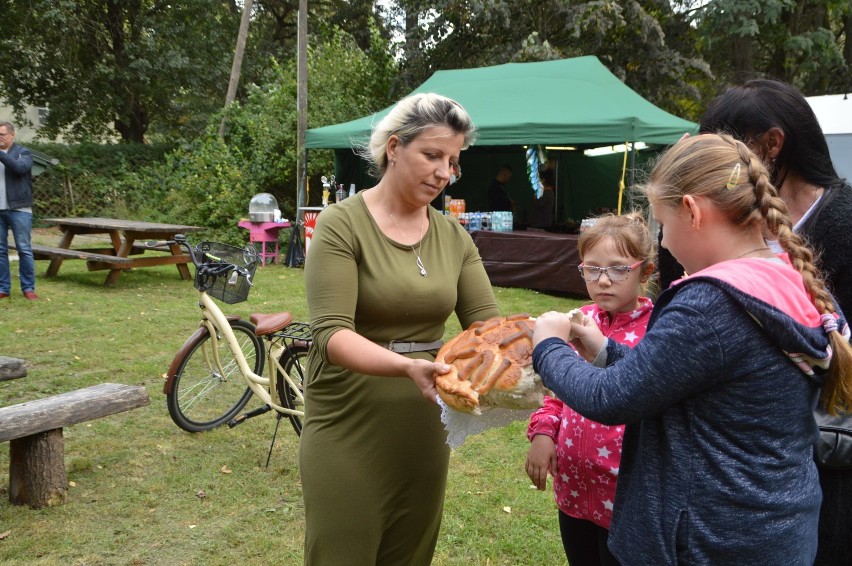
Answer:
x=829 y=323
x=734 y=179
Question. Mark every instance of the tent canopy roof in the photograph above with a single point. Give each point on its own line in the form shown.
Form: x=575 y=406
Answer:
x=41 y=161
x=834 y=112
x=567 y=101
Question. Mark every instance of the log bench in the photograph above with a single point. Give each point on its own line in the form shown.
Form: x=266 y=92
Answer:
x=12 y=368
x=37 y=449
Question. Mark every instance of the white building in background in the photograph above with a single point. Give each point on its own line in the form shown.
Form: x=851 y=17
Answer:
x=24 y=133
x=834 y=112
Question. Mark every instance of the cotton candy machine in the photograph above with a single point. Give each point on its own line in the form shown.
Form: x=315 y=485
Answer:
x=264 y=208
x=263 y=225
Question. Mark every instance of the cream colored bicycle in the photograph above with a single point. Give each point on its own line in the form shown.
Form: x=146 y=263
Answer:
x=220 y=367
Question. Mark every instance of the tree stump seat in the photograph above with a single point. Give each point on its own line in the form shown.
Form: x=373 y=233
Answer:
x=37 y=450
x=12 y=368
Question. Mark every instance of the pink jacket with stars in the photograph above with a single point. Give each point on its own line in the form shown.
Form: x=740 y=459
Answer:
x=588 y=454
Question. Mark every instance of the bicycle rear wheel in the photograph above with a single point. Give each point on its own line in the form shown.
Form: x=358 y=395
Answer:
x=294 y=362
x=203 y=397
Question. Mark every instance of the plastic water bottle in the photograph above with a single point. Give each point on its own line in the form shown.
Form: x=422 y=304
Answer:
x=352 y=190
x=475 y=220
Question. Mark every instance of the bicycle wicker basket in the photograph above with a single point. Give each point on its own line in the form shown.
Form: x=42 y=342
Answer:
x=226 y=272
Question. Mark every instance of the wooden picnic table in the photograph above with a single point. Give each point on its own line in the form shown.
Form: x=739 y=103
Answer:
x=123 y=234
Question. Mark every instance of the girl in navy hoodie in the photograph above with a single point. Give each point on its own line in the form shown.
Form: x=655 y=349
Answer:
x=583 y=455
x=717 y=464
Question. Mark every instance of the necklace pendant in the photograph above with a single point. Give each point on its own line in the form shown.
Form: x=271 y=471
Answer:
x=420 y=265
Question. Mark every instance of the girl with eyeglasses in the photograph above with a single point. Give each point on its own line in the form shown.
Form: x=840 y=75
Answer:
x=580 y=454
x=717 y=465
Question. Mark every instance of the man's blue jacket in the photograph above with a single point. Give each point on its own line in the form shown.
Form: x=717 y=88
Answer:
x=18 y=162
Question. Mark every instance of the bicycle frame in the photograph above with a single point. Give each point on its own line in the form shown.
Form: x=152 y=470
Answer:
x=264 y=387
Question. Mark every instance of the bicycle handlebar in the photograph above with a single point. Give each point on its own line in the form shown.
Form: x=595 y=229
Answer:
x=217 y=268
x=181 y=240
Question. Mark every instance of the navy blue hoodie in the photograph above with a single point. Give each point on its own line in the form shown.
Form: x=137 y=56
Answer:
x=717 y=465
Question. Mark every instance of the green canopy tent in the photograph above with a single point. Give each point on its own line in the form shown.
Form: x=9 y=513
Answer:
x=576 y=103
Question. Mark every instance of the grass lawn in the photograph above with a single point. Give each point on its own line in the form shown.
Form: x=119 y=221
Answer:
x=143 y=492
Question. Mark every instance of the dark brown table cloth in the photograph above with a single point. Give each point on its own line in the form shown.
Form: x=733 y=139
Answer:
x=542 y=261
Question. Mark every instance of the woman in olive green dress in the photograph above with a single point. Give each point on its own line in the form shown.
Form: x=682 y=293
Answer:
x=384 y=273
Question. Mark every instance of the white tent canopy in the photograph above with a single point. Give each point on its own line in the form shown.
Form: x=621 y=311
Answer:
x=834 y=112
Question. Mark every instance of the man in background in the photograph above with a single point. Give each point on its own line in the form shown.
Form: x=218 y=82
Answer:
x=498 y=192
x=542 y=210
x=16 y=212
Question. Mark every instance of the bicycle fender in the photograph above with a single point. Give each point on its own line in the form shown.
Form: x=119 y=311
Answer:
x=196 y=336
x=170 y=375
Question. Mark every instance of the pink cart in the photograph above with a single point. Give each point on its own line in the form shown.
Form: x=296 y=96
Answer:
x=265 y=234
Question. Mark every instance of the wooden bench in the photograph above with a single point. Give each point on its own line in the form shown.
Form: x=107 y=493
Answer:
x=37 y=449
x=12 y=368
x=92 y=254
x=49 y=252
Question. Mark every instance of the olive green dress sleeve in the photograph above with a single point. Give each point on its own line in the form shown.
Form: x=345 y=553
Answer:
x=331 y=277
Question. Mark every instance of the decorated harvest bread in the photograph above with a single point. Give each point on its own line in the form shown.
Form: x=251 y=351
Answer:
x=491 y=365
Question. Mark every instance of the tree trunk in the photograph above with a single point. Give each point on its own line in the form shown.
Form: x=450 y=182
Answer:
x=237 y=65
x=133 y=124
x=37 y=470
x=743 y=58
x=412 y=33
x=301 y=108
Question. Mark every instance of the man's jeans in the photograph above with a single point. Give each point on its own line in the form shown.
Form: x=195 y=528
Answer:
x=21 y=224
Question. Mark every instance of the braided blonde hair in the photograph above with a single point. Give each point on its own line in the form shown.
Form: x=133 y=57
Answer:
x=706 y=165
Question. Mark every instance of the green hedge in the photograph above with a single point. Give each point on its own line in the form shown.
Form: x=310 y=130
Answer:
x=98 y=180
x=206 y=182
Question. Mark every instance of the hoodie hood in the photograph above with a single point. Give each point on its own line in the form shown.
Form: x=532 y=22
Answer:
x=773 y=293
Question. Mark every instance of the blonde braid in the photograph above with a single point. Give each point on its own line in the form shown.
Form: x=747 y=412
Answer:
x=837 y=391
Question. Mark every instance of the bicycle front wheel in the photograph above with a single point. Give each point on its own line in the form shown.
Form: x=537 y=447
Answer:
x=206 y=394
x=294 y=362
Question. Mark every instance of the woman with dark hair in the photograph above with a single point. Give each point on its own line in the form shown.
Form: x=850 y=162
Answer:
x=776 y=121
